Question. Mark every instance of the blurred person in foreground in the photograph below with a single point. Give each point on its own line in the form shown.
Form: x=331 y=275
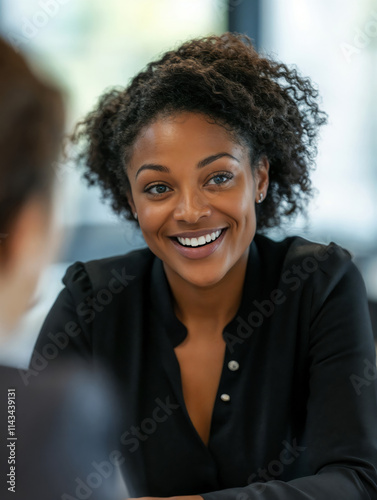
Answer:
x=55 y=430
x=247 y=365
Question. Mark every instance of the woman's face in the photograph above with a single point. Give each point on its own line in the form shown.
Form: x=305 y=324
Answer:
x=194 y=194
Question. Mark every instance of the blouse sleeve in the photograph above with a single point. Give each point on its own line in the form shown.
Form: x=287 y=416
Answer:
x=341 y=424
x=66 y=331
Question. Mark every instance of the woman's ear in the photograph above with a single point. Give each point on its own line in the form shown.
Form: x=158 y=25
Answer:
x=262 y=175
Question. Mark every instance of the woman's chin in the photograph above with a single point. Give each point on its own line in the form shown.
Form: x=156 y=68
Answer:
x=204 y=279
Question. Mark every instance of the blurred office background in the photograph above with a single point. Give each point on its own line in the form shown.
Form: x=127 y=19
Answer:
x=86 y=46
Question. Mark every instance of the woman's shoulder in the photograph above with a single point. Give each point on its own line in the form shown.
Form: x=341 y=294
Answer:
x=313 y=272
x=299 y=262
x=112 y=272
x=296 y=249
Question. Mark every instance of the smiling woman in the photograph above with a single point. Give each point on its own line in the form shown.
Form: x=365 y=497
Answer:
x=240 y=359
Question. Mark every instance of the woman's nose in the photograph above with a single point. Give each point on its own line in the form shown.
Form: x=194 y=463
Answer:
x=191 y=206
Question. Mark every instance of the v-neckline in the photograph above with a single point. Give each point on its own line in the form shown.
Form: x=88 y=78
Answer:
x=175 y=332
x=213 y=395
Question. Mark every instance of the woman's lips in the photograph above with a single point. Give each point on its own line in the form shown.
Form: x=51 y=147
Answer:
x=199 y=252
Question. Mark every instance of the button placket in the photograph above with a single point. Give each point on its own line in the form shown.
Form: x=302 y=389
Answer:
x=233 y=366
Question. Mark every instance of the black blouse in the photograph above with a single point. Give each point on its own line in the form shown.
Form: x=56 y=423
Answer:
x=295 y=417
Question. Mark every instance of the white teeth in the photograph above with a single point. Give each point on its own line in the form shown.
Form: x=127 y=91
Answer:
x=202 y=240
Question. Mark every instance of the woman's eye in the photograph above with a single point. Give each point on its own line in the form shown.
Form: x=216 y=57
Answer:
x=219 y=179
x=157 y=189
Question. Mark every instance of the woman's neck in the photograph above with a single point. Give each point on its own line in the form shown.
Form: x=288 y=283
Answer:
x=213 y=307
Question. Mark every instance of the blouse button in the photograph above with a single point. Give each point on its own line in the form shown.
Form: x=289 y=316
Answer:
x=225 y=398
x=233 y=365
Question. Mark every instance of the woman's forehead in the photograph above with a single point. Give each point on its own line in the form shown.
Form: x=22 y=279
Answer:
x=183 y=131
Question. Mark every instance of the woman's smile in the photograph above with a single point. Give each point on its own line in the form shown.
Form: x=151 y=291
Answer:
x=201 y=244
x=194 y=191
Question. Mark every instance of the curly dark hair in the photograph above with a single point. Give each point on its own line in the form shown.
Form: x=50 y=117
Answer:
x=260 y=102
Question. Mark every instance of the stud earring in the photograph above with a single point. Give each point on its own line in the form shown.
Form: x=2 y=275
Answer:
x=260 y=198
x=135 y=215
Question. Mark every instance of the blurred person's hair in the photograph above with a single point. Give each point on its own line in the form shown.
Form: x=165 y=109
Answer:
x=31 y=127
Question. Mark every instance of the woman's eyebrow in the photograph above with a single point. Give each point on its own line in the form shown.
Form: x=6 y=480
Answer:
x=200 y=164
x=212 y=158
x=152 y=166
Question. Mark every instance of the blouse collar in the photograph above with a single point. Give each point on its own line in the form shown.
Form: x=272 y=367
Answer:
x=163 y=302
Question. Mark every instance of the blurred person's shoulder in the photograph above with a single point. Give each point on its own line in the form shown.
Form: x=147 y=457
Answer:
x=60 y=424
